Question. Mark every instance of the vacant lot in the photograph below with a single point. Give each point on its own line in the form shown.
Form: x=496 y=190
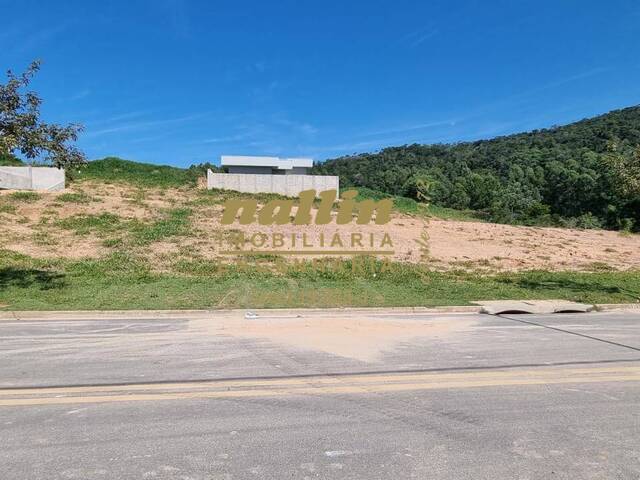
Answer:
x=119 y=239
x=166 y=226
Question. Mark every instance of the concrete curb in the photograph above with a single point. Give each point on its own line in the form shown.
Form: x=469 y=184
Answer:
x=540 y=307
x=192 y=314
x=612 y=307
x=159 y=314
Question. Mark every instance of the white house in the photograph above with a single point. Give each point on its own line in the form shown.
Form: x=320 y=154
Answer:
x=266 y=165
x=285 y=176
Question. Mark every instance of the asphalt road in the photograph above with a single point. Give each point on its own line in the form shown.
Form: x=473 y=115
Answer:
x=366 y=396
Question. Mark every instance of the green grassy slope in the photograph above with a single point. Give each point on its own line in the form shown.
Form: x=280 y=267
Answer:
x=113 y=169
x=123 y=282
x=409 y=206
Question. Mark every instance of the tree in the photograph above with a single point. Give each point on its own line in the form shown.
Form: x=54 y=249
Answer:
x=626 y=168
x=419 y=187
x=22 y=131
x=553 y=176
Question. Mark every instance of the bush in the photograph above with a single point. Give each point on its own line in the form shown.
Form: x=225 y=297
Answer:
x=586 y=221
x=627 y=224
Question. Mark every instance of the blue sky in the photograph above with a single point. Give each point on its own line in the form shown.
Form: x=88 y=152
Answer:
x=181 y=82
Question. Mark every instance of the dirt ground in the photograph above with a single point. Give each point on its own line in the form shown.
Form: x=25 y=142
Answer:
x=32 y=228
x=355 y=336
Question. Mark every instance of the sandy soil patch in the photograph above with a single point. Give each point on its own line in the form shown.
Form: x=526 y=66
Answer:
x=362 y=338
x=31 y=229
x=401 y=235
x=520 y=248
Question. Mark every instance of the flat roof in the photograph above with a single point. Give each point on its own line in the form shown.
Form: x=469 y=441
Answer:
x=274 y=162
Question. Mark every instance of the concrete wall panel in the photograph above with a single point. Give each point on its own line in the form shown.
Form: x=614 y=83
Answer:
x=289 y=185
x=32 y=178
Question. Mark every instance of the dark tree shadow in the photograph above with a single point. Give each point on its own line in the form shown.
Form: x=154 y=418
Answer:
x=29 y=277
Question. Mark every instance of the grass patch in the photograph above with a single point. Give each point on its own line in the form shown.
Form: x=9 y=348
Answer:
x=599 y=267
x=24 y=196
x=408 y=206
x=138 y=197
x=114 y=170
x=85 y=223
x=113 y=242
x=7 y=208
x=404 y=205
x=177 y=222
x=43 y=239
x=445 y=213
x=129 y=232
x=114 y=267
x=124 y=281
x=80 y=197
x=218 y=197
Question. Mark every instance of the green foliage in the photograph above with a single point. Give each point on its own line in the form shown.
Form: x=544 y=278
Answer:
x=585 y=221
x=9 y=160
x=626 y=224
x=117 y=265
x=586 y=173
x=409 y=206
x=445 y=213
x=175 y=223
x=24 y=196
x=400 y=204
x=200 y=169
x=74 y=198
x=83 y=224
x=216 y=196
x=7 y=208
x=625 y=167
x=22 y=131
x=115 y=170
x=124 y=281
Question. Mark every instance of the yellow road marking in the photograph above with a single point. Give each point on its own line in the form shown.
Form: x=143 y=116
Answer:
x=325 y=380
x=348 y=384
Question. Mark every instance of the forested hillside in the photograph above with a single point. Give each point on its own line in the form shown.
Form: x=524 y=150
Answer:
x=585 y=174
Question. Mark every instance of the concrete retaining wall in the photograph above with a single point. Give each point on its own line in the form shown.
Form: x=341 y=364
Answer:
x=32 y=178
x=288 y=185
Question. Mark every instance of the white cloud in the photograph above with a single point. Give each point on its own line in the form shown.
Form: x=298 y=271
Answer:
x=133 y=126
x=80 y=94
x=417 y=37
